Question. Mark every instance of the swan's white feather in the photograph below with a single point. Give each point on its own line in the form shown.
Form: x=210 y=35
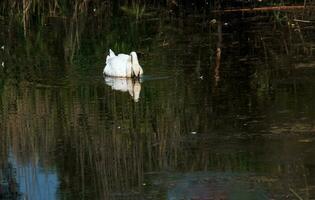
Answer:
x=119 y=66
x=122 y=65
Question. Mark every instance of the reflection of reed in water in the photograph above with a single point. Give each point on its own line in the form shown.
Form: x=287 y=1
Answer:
x=101 y=147
x=130 y=85
x=8 y=184
x=96 y=146
x=59 y=128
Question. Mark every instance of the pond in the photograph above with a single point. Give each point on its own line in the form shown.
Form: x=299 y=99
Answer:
x=225 y=109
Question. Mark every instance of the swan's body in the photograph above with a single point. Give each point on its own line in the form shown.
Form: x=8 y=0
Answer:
x=122 y=65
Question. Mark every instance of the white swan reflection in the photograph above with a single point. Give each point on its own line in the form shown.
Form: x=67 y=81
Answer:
x=130 y=85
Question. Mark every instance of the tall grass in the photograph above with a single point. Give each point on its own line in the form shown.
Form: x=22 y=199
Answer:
x=135 y=10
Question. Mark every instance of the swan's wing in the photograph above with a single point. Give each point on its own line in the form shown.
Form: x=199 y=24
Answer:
x=111 y=53
x=107 y=58
x=124 y=56
x=117 y=66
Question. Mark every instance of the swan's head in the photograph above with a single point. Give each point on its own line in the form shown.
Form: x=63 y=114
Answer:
x=136 y=68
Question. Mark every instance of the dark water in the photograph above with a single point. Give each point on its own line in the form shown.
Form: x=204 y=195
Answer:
x=199 y=125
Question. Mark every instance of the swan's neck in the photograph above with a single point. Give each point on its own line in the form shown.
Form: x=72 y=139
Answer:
x=134 y=60
x=135 y=64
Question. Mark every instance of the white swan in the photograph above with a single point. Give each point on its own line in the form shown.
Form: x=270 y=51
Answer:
x=125 y=85
x=122 y=65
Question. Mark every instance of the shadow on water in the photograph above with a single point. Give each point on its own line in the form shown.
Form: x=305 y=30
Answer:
x=227 y=112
